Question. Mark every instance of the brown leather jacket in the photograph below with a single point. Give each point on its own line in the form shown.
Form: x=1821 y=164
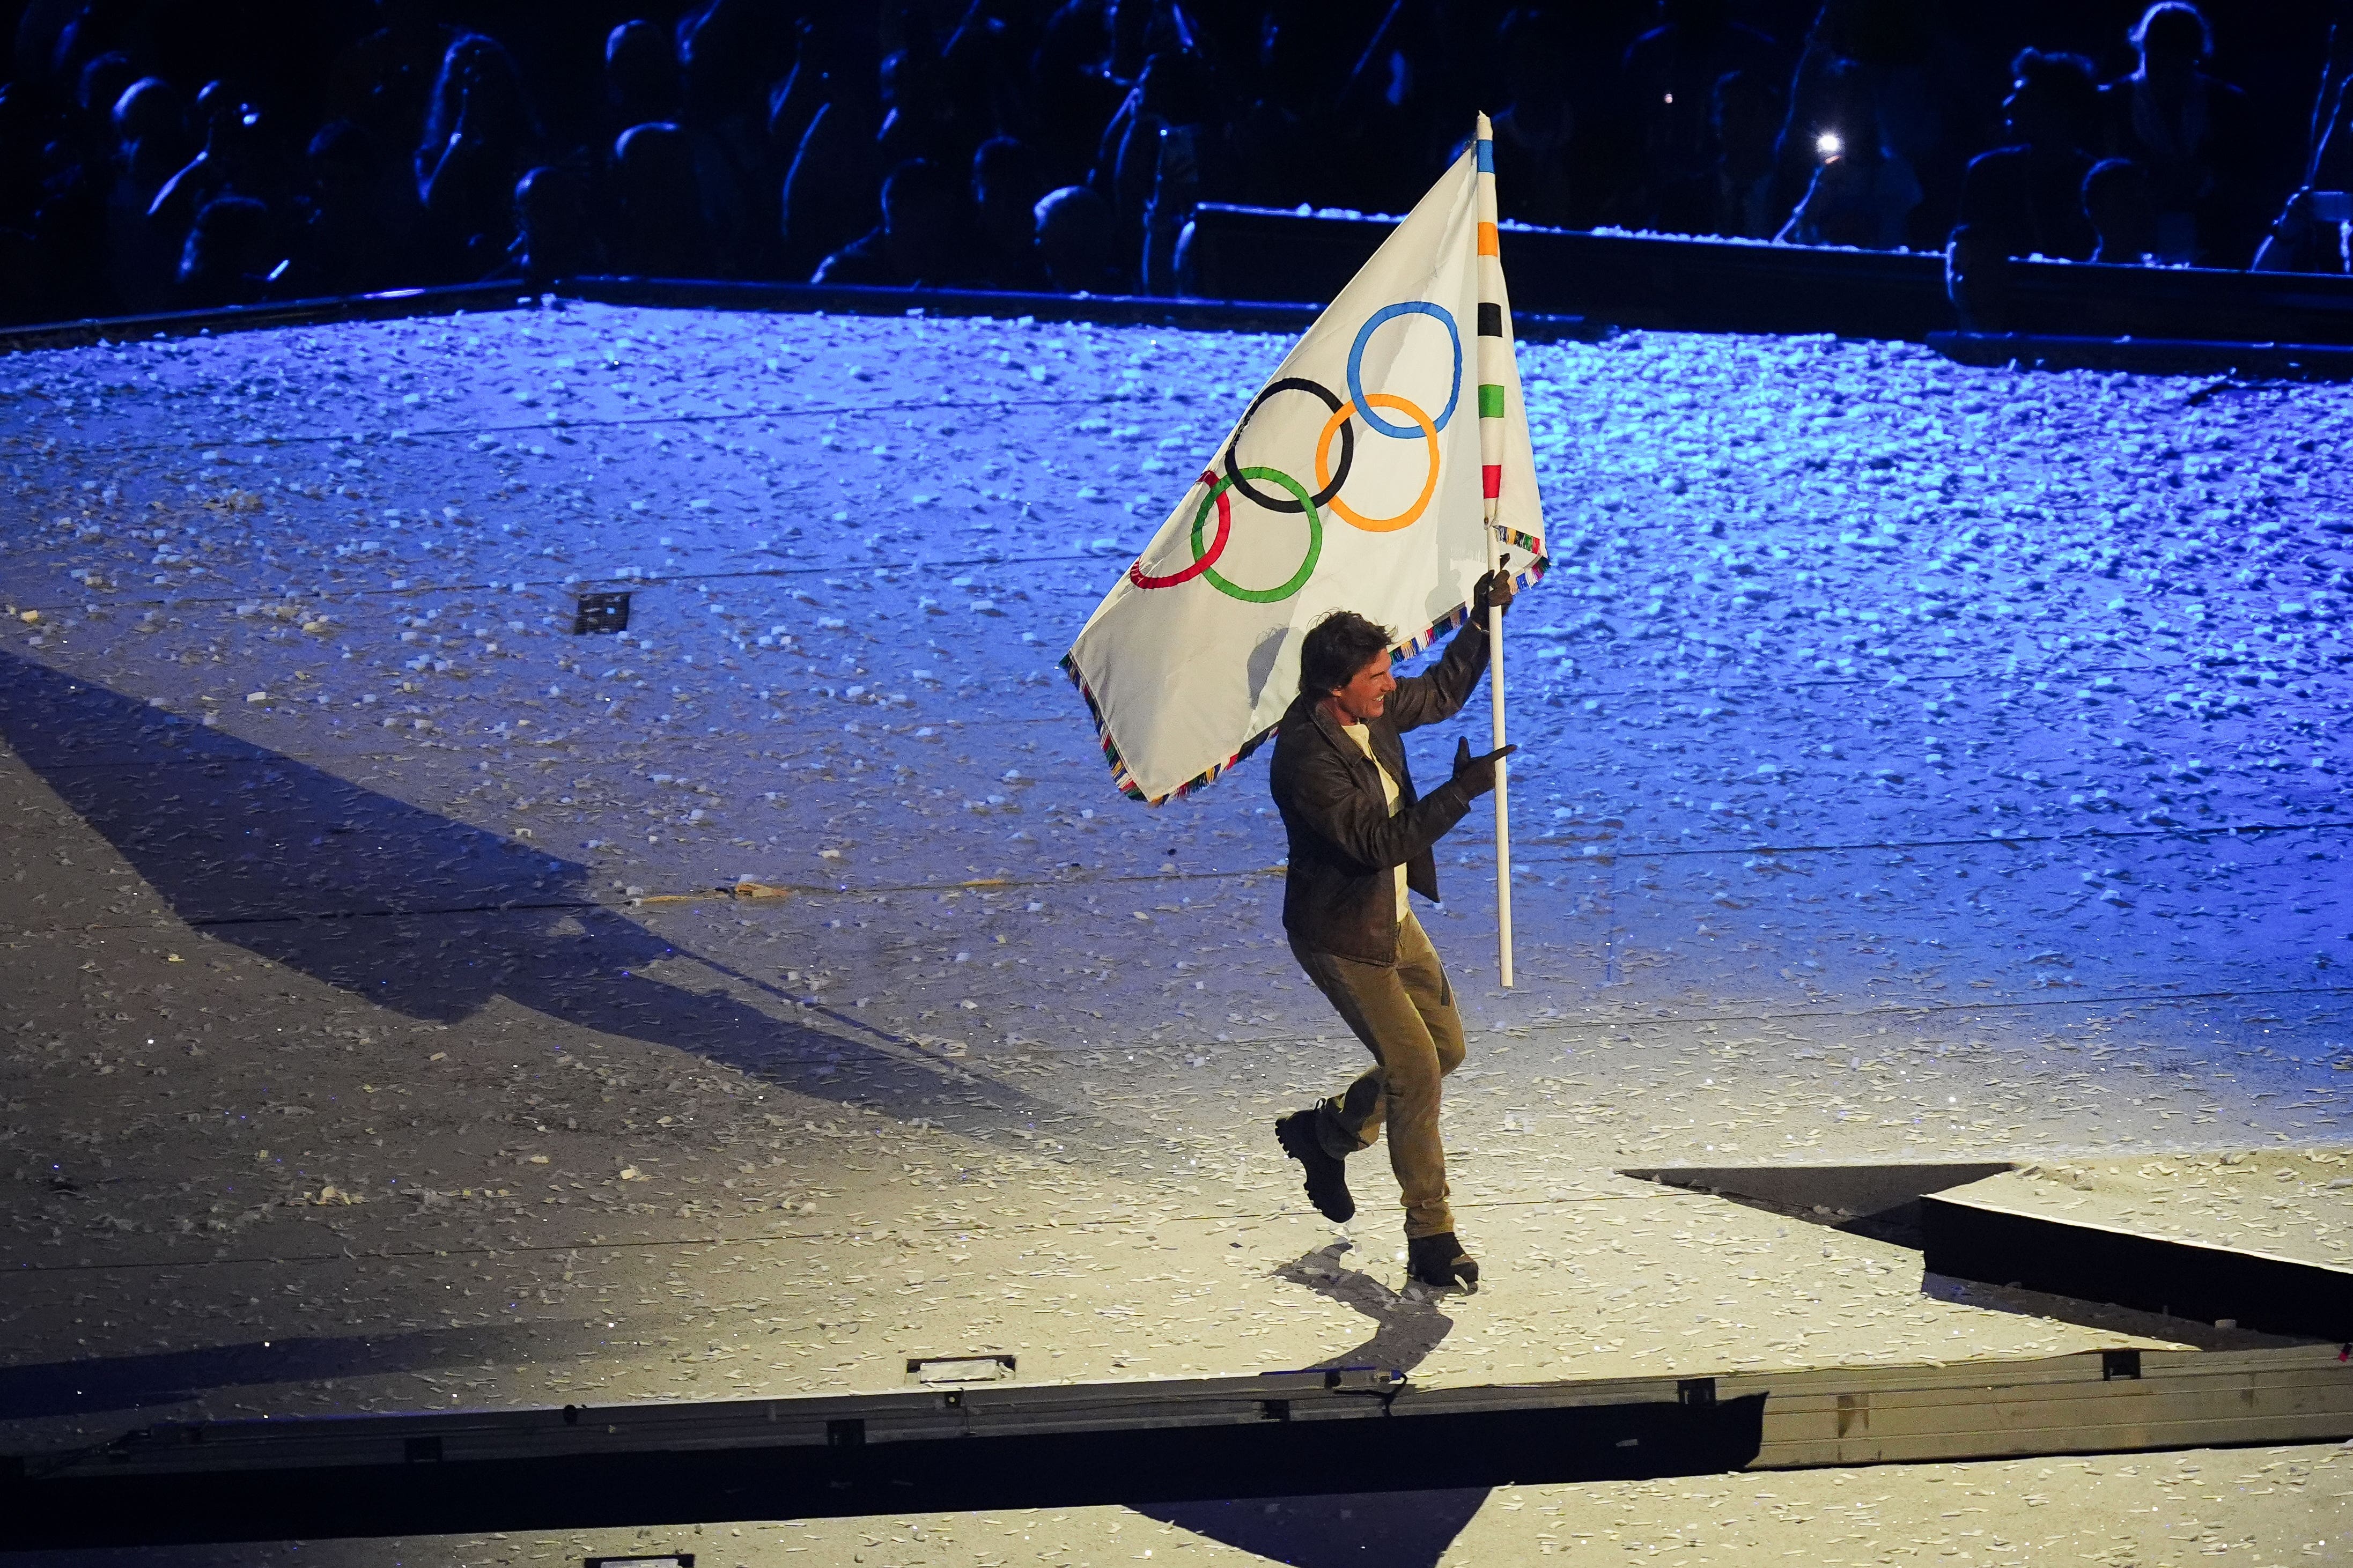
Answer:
x=1340 y=895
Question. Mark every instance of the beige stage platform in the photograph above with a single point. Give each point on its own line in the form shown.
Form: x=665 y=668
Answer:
x=413 y=1005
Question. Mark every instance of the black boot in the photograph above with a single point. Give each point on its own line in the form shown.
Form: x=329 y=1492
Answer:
x=1327 y=1178
x=1440 y=1260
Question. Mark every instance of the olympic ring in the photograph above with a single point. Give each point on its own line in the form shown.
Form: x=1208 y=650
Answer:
x=1329 y=484
x=1429 y=487
x=1307 y=565
x=1135 y=573
x=1357 y=365
x=1233 y=447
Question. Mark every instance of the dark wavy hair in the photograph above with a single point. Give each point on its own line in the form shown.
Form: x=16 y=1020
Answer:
x=1335 y=647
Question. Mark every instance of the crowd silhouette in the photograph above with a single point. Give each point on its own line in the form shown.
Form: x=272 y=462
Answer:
x=167 y=155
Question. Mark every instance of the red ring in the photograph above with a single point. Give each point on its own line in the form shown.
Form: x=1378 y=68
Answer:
x=1209 y=557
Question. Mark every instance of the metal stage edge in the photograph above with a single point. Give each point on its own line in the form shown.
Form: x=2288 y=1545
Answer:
x=983 y=1447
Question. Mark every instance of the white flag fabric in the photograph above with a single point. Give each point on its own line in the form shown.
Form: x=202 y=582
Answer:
x=1353 y=480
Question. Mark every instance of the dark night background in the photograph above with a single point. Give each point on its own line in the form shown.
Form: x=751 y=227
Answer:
x=160 y=154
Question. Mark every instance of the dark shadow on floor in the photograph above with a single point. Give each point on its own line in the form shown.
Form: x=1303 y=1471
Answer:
x=1371 y=1530
x=1880 y=1202
x=175 y=1377
x=1406 y=1328
x=432 y=917
x=1359 y=1530
x=2104 y=1316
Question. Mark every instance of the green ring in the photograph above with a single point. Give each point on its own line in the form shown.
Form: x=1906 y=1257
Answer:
x=1314 y=537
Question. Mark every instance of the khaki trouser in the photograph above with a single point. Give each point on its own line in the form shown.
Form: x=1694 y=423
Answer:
x=1405 y=1015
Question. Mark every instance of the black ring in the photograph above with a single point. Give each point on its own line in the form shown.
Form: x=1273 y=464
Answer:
x=1339 y=475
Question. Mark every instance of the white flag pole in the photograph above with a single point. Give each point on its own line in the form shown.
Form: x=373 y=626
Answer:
x=1502 y=777
x=1491 y=452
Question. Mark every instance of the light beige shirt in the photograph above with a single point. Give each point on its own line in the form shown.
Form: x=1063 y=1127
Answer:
x=1362 y=736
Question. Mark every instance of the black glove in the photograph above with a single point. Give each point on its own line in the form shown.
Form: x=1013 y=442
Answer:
x=1476 y=775
x=1495 y=589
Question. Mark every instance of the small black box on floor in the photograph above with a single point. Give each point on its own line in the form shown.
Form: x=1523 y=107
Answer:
x=601 y=613
x=665 y=1560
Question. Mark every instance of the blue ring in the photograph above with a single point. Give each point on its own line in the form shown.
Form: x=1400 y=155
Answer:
x=1356 y=367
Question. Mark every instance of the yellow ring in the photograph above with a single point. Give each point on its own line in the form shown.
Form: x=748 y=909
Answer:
x=1341 y=508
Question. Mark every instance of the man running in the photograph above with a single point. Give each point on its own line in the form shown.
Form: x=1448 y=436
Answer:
x=1359 y=837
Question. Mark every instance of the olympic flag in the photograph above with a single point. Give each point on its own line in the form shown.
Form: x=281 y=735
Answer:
x=1382 y=468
